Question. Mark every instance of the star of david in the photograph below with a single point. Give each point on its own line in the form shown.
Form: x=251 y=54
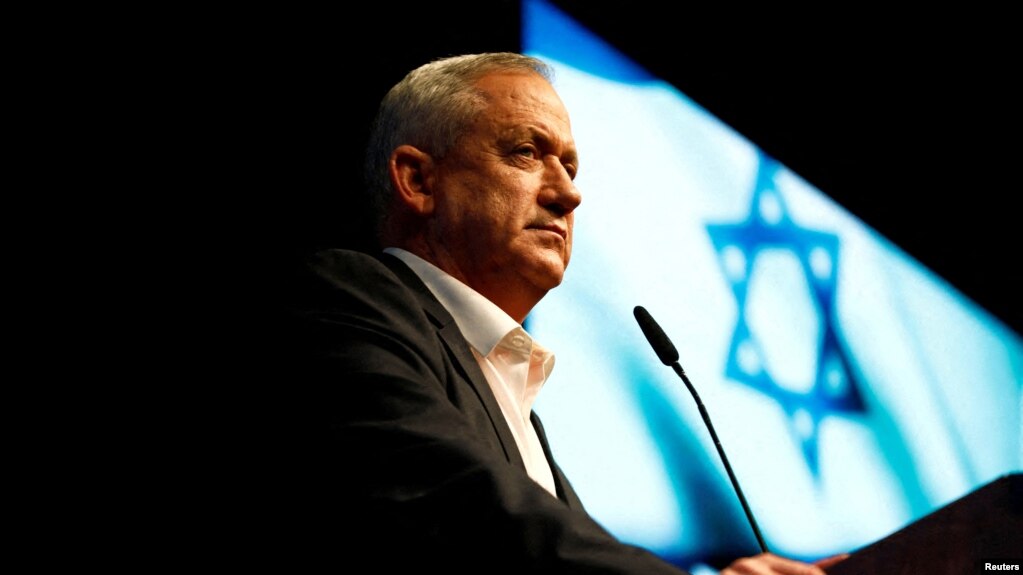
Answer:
x=768 y=231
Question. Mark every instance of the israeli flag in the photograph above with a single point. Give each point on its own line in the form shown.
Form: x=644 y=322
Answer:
x=853 y=390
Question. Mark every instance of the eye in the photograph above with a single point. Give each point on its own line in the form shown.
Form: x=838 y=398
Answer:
x=526 y=151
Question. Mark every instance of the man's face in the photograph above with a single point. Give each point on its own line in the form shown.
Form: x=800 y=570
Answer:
x=504 y=194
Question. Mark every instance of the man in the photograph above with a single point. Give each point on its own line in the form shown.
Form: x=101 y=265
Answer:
x=415 y=380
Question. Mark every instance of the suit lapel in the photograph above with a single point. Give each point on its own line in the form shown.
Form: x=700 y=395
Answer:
x=565 y=491
x=460 y=353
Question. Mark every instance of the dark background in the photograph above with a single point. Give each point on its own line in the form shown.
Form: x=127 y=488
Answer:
x=911 y=125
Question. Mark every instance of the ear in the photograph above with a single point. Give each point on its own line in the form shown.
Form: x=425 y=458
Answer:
x=411 y=171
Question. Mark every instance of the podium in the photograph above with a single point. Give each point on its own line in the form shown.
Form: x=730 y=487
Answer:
x=985 y=525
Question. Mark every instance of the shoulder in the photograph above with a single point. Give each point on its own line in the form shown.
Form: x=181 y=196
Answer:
x=346 y=280
x=365 y=297
x=335 y=266
x=339 y=271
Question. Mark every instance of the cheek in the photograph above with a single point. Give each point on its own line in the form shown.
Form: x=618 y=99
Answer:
x=486 y=226
x=494 y=210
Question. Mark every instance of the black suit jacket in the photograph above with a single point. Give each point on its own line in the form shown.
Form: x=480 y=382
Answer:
x=390 y=450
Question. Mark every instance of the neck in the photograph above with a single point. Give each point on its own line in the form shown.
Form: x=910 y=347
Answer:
x=514 y=299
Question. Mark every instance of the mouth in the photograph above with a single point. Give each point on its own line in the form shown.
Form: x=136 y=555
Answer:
x=553 y=228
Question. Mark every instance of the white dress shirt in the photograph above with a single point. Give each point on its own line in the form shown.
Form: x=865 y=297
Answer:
x=515 y=366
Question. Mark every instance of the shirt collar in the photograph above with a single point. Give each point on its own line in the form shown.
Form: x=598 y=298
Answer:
x=482 y=323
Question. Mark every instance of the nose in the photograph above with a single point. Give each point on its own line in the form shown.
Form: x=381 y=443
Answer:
x=559 y=194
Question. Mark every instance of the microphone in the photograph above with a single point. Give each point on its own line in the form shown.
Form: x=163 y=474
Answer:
x=668 y=355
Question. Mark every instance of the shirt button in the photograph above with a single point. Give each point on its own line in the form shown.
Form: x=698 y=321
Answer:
x=518 y=341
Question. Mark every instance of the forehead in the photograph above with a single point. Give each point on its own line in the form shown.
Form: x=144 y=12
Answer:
x=522 y=98
x=514 y=84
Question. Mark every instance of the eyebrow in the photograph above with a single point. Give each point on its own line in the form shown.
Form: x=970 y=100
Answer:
x=571 y=155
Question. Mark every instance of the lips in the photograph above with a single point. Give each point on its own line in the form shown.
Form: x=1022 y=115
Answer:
x=552 y=227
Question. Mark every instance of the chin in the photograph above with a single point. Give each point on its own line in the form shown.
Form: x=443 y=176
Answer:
x=549 y=277
x=543 y=269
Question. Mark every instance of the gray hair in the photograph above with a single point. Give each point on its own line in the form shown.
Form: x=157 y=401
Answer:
x=429 y=109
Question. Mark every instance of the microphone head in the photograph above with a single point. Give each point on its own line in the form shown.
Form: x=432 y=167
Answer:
x=663 y=347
